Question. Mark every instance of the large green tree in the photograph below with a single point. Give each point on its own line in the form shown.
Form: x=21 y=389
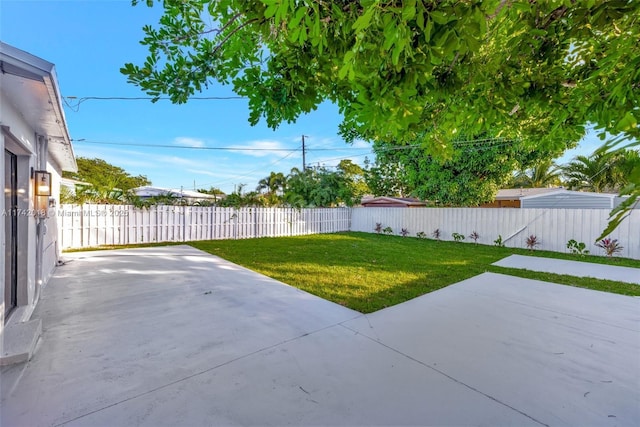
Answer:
x=99 y=173
x=472 y=174
x=354 y=183
x=412 y=70
x=107 y=183
x=322 y=187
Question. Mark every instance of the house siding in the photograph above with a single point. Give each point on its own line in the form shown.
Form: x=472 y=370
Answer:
x=568 y=201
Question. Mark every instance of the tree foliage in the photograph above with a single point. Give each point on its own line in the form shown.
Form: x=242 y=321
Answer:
x=214 y=191
x=99 y=173
x=590 y=173
x=535 y=70
x=354 y=184
x=545 y=173
x=311 y=188
x=239 y=198
x=106 y=183
x=272 y=188
x=601 y=172
x=471 y=175
x=321 y=187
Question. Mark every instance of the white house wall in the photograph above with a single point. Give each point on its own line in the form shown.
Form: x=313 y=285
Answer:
x=3 y=243
x=22 y=142
x=51 y=238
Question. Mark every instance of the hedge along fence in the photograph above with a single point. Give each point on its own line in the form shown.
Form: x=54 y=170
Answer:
x=552 y=227
x=96 y=225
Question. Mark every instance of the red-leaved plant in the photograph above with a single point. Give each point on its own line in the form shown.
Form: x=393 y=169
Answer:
x=532 y=241
x=610 y=246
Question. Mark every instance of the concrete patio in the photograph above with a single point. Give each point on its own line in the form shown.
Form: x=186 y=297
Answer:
x=572 y=268
x=174 y=336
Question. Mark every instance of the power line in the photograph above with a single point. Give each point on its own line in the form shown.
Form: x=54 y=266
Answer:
x=484 y=143
x=80 y=100
x=246 y=175
x=183 y=147
x=369 y=151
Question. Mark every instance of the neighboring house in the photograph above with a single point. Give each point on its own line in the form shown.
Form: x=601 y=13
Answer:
x=73 y=184
x=187 y=196
x=392 y=202
x=511 y=197
x=36 y=148
x=553 y=198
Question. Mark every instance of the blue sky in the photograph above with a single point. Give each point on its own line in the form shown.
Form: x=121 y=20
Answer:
x=89 y=41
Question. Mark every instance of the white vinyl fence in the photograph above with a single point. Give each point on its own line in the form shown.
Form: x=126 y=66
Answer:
x=94 y=225
x=553 y=227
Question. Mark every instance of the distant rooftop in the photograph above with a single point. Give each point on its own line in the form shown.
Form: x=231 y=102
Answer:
x=392 y=202
x=518 y=193
x=149 y=191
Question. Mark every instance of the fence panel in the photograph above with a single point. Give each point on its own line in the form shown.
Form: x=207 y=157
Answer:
x=553 y=227
x=96 y=225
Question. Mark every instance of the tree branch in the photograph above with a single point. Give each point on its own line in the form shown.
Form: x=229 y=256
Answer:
x=502 y=4
x=212 y=30
x=235 y=30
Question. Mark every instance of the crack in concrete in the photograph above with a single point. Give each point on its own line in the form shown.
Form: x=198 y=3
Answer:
x=469 y=291
x=447 y=376
x=213 y=368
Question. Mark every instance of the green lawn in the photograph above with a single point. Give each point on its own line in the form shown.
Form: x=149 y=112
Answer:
x=367 y=272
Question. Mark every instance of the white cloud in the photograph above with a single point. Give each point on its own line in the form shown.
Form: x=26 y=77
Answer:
x=206 y=172
x=175 y=161
x=359 y=143
x=185 y=141
x=263 y=148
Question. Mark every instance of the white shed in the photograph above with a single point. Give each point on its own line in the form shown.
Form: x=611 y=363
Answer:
x=567 y=199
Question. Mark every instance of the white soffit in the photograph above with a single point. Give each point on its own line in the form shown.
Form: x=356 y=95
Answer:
x=29 y=83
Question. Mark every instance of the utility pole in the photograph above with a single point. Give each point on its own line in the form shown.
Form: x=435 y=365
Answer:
x=304 y=163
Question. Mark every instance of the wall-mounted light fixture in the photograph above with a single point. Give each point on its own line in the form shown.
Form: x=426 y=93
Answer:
x=43 y=183
x=42 y=192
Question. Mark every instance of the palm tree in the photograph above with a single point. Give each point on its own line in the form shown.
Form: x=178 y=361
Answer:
x=545 y=174
x=625 y=163
x=273 y=183
x=592 y=173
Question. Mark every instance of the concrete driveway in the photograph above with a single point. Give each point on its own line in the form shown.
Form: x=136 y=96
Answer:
x=174 y=336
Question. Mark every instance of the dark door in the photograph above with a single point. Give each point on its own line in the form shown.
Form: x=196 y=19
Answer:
x=10 y=232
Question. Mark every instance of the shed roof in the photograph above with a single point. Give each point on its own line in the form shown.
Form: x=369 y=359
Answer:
x=562 y=191
x=519 y=193
x=397 y=201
